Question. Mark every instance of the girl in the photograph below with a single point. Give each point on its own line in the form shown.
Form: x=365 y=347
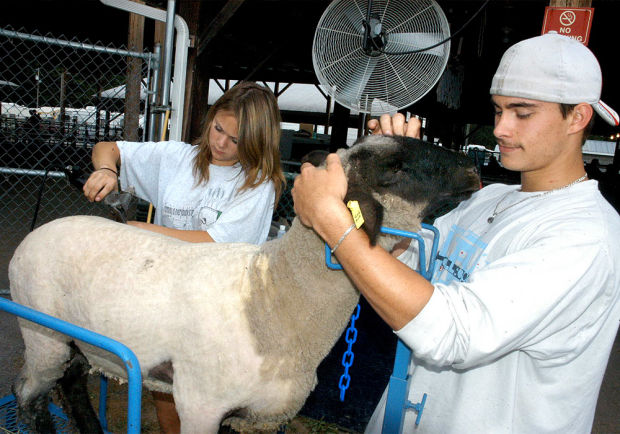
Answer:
x=223 y=189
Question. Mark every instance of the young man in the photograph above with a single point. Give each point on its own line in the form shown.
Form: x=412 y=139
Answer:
x=514 y=332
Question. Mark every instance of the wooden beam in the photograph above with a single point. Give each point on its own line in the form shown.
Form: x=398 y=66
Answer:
x=570 y=3
x=135 y=42
x=194 y=82
x=217 y=23
x=260 y=64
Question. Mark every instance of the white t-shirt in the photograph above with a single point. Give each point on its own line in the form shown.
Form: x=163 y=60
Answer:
x=161 y=173
x=518 y=331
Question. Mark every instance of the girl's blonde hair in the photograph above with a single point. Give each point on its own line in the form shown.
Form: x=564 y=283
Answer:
x=258 y=118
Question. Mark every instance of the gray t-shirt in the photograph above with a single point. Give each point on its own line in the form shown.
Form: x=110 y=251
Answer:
x=161 y=172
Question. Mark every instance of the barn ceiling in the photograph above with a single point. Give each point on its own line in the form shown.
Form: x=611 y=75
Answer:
x=271 y=40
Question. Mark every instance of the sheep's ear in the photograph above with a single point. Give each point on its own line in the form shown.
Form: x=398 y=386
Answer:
x=372 y=211
x=316 y=157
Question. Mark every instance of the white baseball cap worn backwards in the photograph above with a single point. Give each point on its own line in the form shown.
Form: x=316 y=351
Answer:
x=552 y=68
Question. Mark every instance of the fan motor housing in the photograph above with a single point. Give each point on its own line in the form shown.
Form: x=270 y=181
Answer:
x=375 y=39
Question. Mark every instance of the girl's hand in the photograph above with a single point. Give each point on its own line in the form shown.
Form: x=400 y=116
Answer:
x=99 y=184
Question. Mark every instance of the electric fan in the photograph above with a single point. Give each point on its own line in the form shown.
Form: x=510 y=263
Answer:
x=379 y=56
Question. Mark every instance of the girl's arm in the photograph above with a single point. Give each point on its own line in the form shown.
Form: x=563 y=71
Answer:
x=106 y=158
x=191 y=236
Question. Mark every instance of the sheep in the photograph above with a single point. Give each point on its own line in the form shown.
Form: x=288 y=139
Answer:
x=234 y=331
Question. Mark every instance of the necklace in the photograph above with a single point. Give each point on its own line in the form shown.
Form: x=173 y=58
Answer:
x=544 y=193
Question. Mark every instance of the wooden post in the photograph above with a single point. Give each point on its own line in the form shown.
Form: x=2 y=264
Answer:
x=194 y=83
x=340 y=128
x=135 y=42
x=197 y=87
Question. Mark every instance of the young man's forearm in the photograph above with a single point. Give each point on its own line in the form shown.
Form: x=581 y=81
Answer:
x=394 y=290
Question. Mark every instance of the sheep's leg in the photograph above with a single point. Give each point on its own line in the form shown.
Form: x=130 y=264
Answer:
x=195 y=418
x=196 y=422
x=75 y=393
x=44 y=361
x=196 y=412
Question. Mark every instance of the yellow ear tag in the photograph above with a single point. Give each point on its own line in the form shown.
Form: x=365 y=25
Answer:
x=354 y=206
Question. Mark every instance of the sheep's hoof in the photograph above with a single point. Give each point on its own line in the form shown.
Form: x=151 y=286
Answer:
x=36 y=415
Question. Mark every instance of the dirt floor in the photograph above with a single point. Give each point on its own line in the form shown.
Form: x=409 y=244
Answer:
x=117 y=414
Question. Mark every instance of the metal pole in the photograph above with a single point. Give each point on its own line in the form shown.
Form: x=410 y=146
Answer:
x=71 y=44
x=616 y=161
x=154 y=89
x=38 y=79
x=177 y=94
x=168 y=43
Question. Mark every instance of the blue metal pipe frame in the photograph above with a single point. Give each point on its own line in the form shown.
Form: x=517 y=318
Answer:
x=398 y=388
x=134 y=375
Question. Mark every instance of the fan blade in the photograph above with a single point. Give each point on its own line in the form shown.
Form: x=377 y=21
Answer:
x=353 y=18
x=353 y=89
x=380 y=106
x=398 y=42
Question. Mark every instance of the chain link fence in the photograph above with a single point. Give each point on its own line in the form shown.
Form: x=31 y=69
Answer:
x=57 y=99
x=285 y=213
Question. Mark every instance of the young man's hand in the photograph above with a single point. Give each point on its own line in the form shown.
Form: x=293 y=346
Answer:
x=396 y=125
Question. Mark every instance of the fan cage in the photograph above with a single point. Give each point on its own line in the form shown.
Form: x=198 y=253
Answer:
x=382 y=83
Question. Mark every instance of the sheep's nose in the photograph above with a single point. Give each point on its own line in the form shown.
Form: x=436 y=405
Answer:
x=474 y=177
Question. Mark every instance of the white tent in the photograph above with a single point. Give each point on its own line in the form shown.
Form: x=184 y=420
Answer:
x=12 y=109
x=603 y=150
x=8 y=83
x=119 y=92
x=297 y=97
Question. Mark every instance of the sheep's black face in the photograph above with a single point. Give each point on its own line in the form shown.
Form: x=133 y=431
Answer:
x=416 y=178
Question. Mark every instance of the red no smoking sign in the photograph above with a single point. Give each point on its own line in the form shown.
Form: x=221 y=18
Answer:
x=572 y=22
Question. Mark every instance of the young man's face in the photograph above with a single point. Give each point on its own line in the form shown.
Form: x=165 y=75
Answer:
x=532 y=135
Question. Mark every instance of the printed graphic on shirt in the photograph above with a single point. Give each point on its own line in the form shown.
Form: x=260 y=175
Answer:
x=177 y=218
x=206 y=217
x=217 y=193
x=458 y=257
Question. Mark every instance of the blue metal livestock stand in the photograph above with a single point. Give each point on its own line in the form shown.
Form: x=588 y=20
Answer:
x=8 y=404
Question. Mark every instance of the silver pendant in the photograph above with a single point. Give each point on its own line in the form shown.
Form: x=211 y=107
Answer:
x=490 y=219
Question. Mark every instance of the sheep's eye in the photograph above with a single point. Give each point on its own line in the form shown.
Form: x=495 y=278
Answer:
x=389 y=176
x=407 y=168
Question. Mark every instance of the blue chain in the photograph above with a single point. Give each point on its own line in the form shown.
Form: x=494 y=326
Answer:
x=348 y=356
x=351 y=336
